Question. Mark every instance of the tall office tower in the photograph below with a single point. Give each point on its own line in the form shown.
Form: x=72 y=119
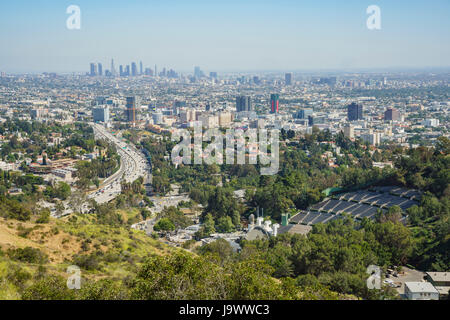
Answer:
x=121 y=70
x=355 y=112
x=198 y=72
x=113 y=68
x=131 y=109
x=238 y=104
x=156 y=71
x=288 y=78
x=133 y=69
x=101 y=114
x=243 y=103
x=127 y=71
x=93 y=72
x=391 y=114
x=303 y=113
x=274 y=102
x=141 y=68
x=100 y=69
x=213 y=75
x=250 y=106
x=256 y=80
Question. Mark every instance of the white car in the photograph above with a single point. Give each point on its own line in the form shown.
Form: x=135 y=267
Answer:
x=390 y=283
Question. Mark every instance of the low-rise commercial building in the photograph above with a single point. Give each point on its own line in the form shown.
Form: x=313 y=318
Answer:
x=420 y=291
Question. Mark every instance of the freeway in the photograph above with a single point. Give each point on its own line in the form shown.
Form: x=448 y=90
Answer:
x=133 y=165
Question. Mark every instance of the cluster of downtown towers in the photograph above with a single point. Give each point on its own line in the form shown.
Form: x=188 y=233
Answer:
x=96 y=69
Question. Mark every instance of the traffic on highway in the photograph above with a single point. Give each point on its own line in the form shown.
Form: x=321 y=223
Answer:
x=133 y=164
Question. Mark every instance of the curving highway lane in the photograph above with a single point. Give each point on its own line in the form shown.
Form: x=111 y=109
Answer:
x=133 y=165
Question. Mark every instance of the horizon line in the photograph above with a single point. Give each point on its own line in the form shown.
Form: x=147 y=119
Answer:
x=283 y=70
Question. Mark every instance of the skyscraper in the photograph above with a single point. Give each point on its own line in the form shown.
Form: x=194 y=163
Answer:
x=113 y=68
x=391 y=114
x=93 y=71
x=100 y=69
x=121 y=70
x=141 y=68
x=127 y=71
x=354 y=112
x=243 y=103
x=288 y=78
x=274 y=102
x=101 y=114
x=133 y=69
x=131 y=109
x=198 y=72
x=148 y=72
x=303 y=113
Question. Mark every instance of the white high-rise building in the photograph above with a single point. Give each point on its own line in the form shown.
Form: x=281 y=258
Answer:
x=157 y=118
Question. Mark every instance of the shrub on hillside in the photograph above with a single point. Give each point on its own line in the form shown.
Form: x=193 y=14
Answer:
x=28 y=254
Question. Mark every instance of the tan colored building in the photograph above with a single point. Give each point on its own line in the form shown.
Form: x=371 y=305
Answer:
x=225 y=119
x=349 y=132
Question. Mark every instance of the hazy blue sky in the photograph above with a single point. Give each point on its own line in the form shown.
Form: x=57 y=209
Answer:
x=223 y=35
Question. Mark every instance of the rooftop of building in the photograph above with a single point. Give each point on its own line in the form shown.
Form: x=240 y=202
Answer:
x=420 y=287
x=439 y=276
